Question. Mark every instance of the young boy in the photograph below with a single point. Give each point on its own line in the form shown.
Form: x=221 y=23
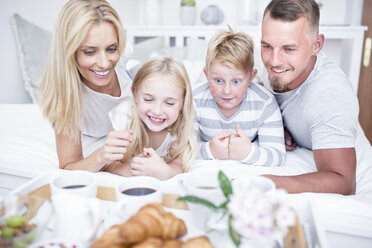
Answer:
x=237 y=119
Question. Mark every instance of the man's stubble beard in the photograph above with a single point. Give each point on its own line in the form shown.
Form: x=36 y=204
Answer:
x=279 y=85
x=276 y=84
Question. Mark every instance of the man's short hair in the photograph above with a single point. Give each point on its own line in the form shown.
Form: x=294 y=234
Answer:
x=291 y=10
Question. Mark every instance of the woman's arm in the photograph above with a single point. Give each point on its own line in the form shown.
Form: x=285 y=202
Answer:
x=70 y=153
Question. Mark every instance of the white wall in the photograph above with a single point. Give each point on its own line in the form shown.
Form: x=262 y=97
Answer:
x=44 y=13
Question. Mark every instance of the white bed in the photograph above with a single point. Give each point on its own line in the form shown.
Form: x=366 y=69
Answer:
x=27 y=149
x=27 y=145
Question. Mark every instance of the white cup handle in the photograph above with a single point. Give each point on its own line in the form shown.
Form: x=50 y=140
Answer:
x=120 y=208
x=96 y=217
x=181 y=187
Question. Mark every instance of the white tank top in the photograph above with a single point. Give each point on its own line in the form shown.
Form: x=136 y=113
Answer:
x=96 y=106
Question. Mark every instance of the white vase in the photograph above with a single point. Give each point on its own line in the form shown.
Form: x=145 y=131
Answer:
x=188 y=15
x=152 y=12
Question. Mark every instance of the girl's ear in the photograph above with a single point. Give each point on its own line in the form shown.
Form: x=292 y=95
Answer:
x=135 y=96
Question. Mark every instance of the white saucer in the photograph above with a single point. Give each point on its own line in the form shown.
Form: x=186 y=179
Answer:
x=56 y=243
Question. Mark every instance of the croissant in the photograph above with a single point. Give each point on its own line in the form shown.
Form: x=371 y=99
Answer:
x=109 y=239
x=175 y=243
x=150 y=243
x=200 y=242
x=159 y=243
x=151 y=221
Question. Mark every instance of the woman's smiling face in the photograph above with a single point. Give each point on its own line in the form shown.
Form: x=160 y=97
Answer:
x=98 y=55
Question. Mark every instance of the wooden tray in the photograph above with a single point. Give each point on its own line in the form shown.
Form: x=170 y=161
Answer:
x=108 y=194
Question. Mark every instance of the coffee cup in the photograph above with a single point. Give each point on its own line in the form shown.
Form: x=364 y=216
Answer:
x=83 y=183
x=135 y=192
x=203 y=184
x=76 y=217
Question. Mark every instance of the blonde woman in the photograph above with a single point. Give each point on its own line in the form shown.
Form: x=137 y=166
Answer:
x=163 y=143
x=85 y=77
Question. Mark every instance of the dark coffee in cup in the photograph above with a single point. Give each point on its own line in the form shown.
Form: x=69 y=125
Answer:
x=206 y=187
x=138 y=191
x=74 y=186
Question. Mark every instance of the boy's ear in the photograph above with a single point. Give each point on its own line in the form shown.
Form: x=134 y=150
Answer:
x=253 y=75
x=205 y=72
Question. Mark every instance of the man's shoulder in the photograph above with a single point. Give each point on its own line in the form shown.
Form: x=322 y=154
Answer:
x=325 y=69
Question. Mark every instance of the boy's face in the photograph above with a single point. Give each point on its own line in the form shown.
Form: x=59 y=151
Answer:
x=228 y=86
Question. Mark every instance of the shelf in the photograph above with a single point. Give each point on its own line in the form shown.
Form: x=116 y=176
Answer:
x=351 y=51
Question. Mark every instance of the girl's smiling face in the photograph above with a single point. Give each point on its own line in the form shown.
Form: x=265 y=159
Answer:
x=97 y=57
x=159 y=102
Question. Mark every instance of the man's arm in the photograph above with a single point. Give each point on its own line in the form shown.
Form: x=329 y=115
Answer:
x=336 y=174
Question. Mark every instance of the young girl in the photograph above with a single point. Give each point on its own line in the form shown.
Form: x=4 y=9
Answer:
x=161 y=142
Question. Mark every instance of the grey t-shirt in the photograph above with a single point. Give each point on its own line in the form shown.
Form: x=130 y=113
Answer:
x=322 y=113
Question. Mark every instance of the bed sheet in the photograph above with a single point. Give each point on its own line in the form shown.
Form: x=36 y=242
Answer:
x=27 y=144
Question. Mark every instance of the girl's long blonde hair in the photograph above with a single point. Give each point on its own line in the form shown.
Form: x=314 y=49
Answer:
x=61 y=83
x=183 y=126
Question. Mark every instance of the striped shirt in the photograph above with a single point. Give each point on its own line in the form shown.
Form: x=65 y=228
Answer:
x=258 y=116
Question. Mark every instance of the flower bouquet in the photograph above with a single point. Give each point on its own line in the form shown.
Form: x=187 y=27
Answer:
x=252 y=214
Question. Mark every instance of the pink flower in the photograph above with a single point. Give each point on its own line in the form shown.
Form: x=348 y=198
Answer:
x=258 y=215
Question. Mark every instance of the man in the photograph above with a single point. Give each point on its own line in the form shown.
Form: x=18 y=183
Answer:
x=319 y=107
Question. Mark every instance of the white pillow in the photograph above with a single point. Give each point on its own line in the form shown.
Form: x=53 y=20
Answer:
x=32 y=44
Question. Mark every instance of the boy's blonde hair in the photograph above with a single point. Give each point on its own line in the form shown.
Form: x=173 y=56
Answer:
x=182 y=128
x=61 y=89
x=234 y=50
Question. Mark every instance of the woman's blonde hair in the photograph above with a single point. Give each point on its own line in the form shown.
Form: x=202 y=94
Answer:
x=183 y=126
x=61 y=89
x=234 y=50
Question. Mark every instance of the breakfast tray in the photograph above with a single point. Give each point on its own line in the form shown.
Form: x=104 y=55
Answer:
x=39 y=186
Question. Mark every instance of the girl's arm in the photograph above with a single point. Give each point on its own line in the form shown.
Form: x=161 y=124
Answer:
x=70 y=153
x=119 y=168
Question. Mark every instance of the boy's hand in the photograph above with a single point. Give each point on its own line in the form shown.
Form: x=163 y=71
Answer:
x=240 y=145
x=219 y=145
